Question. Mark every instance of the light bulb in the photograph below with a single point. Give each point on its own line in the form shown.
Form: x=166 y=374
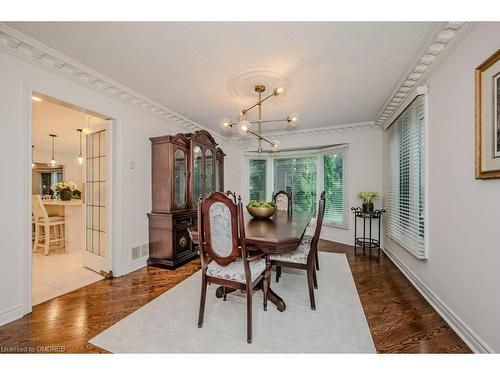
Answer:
x=293 y=119
x=278 y=91
x=244 y=127
x=36 y=99
x=53 y=163
x=80 y=160
x=225 y=123
x=33 y=165
x=275 y=145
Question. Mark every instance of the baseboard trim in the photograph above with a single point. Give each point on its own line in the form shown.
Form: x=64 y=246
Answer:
x=134 y=266
x=471 y=339
x=10 y=314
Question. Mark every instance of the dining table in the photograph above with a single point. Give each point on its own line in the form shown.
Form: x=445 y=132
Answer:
x=280 y=233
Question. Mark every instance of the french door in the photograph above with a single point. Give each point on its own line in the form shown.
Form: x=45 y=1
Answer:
x=97 y=198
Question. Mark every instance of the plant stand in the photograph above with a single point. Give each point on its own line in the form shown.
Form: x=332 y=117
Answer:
x=367 y=241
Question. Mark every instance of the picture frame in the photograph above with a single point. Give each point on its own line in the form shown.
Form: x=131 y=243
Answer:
x=488 y=118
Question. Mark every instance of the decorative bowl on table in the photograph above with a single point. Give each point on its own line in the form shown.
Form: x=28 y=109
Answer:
x=261 y=210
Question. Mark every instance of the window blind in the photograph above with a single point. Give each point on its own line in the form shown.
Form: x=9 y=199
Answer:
x=257 y=180
x=333 y=174
x=405 y=148
x=298 y=176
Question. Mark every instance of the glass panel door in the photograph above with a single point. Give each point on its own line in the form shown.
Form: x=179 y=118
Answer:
x=209 y=166
x=197 y=172
x=180 y=178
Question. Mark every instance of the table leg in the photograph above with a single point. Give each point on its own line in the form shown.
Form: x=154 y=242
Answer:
x=276 y=300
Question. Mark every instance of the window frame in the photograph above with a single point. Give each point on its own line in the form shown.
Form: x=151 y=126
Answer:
x=320 y=180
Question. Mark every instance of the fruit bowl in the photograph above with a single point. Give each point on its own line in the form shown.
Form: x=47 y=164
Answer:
x=261 y=210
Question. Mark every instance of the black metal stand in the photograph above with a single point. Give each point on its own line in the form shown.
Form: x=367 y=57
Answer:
x=367 y=242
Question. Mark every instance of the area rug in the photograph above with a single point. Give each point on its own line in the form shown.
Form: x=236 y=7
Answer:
x=168 y=324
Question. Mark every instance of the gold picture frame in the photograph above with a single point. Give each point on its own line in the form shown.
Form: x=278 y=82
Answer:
x=488 y=118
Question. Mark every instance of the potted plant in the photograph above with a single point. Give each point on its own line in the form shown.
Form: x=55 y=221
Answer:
x=64 y=190
x=368 y=197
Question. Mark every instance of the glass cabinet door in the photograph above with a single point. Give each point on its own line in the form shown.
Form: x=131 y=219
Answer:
x=197 y=172
x=217 y=175
x=209 y=169
x=180 y=178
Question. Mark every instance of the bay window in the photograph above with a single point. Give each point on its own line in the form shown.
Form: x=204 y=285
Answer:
x=305 y=174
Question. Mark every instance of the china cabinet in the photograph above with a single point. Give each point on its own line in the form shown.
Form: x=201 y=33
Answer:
x=185 y=167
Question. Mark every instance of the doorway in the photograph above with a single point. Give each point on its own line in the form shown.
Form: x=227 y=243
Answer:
x=70 y=200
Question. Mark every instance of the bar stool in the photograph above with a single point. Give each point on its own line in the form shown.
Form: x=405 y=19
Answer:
x=45 y=222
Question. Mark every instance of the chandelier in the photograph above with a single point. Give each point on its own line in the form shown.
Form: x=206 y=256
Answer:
x=245 y=126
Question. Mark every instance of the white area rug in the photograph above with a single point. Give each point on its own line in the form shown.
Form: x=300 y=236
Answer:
x=168 y=324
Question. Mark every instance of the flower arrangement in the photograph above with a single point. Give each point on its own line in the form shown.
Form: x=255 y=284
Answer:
x=64 y=189
x=368 y=197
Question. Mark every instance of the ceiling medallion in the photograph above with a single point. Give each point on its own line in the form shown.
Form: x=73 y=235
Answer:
x=245 y=126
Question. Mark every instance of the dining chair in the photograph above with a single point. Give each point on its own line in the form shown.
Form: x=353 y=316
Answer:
x=304 y=257
x=283 y=200
x=232 y=195
x=41 y=220
x=224 y=257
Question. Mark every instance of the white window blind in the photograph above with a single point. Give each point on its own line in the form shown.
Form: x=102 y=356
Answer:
x=298 y=176
x=334 y=187
x=257 y=179
x=405 y=152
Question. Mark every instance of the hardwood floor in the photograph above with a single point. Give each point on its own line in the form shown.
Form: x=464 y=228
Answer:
x=400 y=319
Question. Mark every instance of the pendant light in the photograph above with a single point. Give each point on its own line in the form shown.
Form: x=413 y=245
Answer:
x=33 y=165
x=53 y=162
x=80 y=157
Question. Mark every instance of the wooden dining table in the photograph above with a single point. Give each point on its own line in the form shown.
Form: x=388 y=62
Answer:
x=279 y=234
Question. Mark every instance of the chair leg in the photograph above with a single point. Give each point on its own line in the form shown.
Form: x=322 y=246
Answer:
x=47 y=240
x=278 y=273
x=224 y=294
x=249 y=314
x=317 y=260
x=315 y=280
x=310 y=283
x=203 y=297
x=63 y=237
x=37 y=237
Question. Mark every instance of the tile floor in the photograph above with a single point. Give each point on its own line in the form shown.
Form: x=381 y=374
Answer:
x=57 y=274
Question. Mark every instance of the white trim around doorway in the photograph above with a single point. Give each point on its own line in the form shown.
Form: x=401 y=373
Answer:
x=114 y=225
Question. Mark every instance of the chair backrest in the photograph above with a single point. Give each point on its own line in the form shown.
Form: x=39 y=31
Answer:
x=319 y=223
x=218 y=238
x=232 y=195
x=38 y=209
x=283 y=200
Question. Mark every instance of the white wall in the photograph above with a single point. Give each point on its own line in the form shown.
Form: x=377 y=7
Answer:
x=133 y=186
x=462 y=272
x=364 y=170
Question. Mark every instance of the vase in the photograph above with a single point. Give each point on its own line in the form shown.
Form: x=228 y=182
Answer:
x=65 y=194
x=368 y=208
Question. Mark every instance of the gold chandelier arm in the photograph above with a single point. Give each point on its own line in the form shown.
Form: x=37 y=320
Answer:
x=267 y=121
x=261 y=137
x=244 y=111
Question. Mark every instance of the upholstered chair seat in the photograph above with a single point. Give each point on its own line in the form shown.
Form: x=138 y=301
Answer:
x=306 y=240
x=235 y=270
x=298 y=255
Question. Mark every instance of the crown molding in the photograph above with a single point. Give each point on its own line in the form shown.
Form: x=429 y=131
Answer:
x=444 y=41
x=356 y=126
x=39 y=54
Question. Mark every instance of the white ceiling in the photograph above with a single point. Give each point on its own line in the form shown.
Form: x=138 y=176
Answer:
x=341 y=72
